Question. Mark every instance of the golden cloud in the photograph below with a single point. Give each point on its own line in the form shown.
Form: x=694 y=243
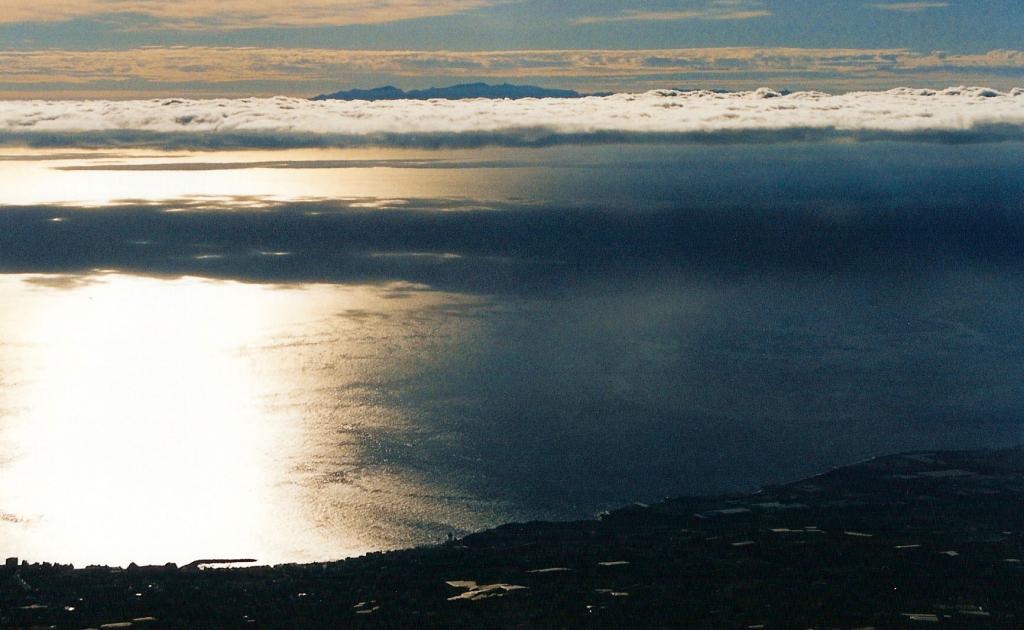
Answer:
x=715 y=10
x=214 y=70
x=233 y=14
x=907 y=7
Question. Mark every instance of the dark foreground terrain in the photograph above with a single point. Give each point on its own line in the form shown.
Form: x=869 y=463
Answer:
x=914 y=540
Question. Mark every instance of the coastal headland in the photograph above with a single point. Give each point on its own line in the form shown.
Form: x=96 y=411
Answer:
x=927 y=539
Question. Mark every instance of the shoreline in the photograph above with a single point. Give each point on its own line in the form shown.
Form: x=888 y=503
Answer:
x=921 y=537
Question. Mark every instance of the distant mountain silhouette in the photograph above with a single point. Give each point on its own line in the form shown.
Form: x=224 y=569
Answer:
x=454 y=92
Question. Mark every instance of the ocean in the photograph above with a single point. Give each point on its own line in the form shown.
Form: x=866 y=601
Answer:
x=287 y=345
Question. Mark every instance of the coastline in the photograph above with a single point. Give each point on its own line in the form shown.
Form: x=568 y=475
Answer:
x=914 y=538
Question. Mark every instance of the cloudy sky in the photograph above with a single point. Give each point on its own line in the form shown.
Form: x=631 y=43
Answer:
x=125 y=48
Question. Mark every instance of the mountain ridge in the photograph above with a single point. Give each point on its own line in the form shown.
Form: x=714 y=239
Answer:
x=451 y=92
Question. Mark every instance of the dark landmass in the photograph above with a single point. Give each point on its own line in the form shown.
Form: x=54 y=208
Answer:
x=454 y=92
x=913 y=540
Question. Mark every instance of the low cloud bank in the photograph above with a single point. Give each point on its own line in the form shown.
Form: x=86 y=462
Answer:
x=949 y=115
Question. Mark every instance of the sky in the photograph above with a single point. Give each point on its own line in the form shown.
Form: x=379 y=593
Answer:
x=205 y=48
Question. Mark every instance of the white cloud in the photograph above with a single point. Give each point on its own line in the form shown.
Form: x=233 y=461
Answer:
x=907 y=7
x=955 y=114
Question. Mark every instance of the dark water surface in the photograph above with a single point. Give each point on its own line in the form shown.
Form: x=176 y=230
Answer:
x=301 y=355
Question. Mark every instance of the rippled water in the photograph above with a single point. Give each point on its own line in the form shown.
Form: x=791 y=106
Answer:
x=306 y=355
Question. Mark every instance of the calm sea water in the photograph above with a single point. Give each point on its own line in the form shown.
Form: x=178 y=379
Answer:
x=304 y=355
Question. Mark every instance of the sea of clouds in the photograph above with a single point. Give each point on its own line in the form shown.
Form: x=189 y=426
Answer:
x=961 y=114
